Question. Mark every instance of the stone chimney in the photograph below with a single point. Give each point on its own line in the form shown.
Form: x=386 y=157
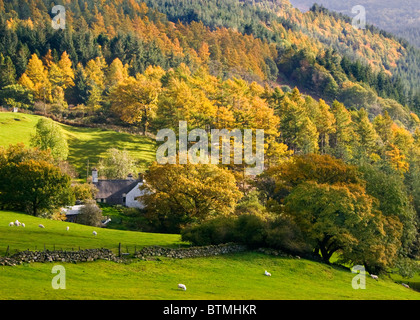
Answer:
x=140 y=177
x=94 y=175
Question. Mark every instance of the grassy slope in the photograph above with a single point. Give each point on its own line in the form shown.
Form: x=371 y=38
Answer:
x=228 y=277
x=84 y=143
x=238 y=276
x=34 y=238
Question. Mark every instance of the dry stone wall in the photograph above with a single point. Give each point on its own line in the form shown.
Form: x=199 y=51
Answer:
x=60 y=256
x=192 y=252
x=106 y=254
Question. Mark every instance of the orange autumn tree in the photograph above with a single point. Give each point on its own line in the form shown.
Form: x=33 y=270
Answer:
x=176 y=194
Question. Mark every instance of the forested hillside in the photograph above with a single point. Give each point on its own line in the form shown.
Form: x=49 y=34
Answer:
x=303 y=38
x=194 y=63
x=341 y=103
x=397 y=17
x=319 y=52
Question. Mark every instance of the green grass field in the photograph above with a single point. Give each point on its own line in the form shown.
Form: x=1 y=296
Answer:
x=84 y=143
x=238 y=276
x=34 y=238
x=234 y=276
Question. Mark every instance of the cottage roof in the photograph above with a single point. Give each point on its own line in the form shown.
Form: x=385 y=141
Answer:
x=114 y=188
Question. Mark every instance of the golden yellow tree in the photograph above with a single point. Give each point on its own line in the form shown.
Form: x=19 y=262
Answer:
x=116 y=73
x=65 y=66
x=36 y=72
x=135 y=100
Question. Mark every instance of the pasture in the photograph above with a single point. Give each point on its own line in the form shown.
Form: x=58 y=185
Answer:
x=55 y=235
x=232 y=276
x=84 y=143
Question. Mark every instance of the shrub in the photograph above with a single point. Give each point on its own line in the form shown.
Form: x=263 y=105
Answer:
x=248 y=229
x=215 y=231
x=284 y=235
x=251 y=229
x=90 y=214
x=85 y=191
x=135 y=219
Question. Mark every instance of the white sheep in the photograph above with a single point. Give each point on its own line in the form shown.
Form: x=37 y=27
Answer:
x=405 y=285
x=374 y=277
x=268 y=274
x=23 y=225
x=17 y=223
x=41 y=226
x=94 y=233
x=67 y=228
x=11 y=224
x=182 y=286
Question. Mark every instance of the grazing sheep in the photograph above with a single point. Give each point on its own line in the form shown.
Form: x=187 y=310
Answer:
x=11 y=224
x=182 y=286
x=94 y=233
x=405 y=285
x=41 y=226
x=374 y=277
x=17 y=223
x=268 y=274
x=23 y=225
x=67 y=228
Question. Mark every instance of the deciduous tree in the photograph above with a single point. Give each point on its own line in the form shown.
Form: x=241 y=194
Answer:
x=180 y=194
x=49 y=136
x=116 y=164
x=135 y=100
x=37 y=187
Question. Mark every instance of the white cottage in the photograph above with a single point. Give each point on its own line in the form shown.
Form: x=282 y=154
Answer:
x=120 y=191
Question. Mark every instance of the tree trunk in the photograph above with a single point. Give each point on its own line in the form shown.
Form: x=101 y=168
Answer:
x=146 y=121
x=316 y=251
x=325 y=253
x=146 y=127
